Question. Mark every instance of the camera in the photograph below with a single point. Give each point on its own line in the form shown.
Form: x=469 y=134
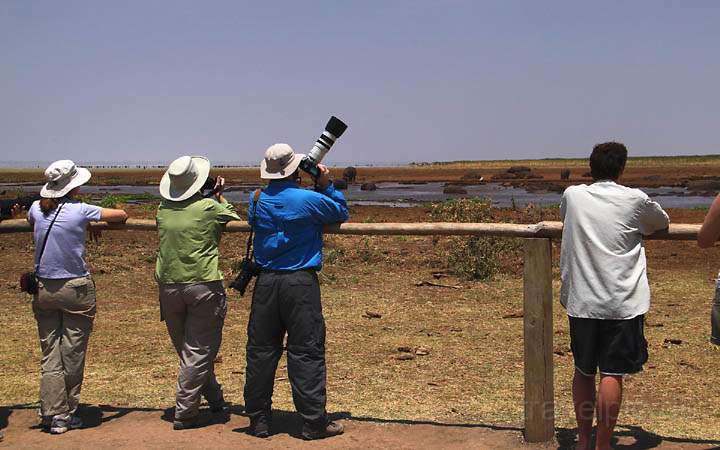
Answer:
x=248 y=269
x=333 y=130
x=209 y=185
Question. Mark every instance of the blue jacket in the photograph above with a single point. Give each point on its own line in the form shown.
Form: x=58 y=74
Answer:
x=288 y=229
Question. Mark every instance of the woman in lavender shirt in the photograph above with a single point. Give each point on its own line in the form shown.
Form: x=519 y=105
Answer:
x=64 y=306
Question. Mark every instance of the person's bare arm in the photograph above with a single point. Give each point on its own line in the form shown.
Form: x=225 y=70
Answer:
x=113 y=215
x=710 y=230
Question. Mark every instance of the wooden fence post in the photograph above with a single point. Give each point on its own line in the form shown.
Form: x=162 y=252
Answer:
x=538 y=341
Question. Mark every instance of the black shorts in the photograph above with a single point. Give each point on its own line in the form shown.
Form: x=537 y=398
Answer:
x=617 y=347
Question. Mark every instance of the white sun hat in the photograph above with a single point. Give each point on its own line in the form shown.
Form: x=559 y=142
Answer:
x=280 y=162
x=184 y=177
x=62 y=177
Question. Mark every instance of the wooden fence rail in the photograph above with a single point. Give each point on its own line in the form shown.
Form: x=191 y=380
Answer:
x=537 y=292
x=550 y=230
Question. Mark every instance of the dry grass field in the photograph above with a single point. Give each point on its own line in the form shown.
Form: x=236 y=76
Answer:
x=472 y=372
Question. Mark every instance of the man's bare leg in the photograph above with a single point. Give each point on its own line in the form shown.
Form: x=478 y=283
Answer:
x=583 y=390
x=608 y=407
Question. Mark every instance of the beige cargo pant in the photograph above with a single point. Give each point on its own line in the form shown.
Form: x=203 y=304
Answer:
x=64 y=310
x=194 y=314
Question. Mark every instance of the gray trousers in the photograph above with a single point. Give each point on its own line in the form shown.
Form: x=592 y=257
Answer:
x=287 y=302
x=64 y=310
x=194 y=314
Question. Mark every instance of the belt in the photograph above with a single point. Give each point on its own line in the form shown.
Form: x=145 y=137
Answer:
x=282 y=272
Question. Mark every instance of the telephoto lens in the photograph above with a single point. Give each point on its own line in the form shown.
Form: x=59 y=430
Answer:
x=333 y=130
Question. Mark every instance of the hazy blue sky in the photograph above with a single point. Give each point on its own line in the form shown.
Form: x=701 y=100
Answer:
x=415 y=80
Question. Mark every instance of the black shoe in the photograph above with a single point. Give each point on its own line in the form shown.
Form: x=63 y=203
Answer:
x=310 y=432
x=259 y=427
x=185 y=424
x=222 y=407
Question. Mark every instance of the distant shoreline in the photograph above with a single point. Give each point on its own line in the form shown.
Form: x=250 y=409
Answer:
x=135 y=165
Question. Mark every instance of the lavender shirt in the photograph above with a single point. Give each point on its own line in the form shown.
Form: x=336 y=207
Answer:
x=64 y=255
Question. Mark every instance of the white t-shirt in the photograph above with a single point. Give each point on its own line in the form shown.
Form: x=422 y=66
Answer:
x=602 y=261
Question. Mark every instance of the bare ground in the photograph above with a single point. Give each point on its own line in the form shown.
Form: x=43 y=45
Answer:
x=466 y=393
x=111 y=428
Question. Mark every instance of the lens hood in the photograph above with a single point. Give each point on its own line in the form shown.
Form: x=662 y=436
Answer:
x=335 y=126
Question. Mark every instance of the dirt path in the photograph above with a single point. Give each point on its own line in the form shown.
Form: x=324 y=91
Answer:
x=120 y=428
x=125 y=428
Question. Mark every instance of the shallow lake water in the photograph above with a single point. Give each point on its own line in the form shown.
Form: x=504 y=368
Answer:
x=406 y=195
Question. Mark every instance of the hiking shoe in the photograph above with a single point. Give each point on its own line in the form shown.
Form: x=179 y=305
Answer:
x=62 y=423
x=221 y=407
x=185 y=424
x=310 y=432
x=45 y=422
x=259 y=427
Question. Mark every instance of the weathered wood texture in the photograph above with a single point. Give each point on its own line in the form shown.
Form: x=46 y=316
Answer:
x=551 y=230
x=538 y=341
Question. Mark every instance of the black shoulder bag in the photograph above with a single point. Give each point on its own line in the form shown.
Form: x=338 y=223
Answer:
x=28 y=280
x=248 y=268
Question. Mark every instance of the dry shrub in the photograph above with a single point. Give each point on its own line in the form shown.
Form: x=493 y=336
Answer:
x=473 y=257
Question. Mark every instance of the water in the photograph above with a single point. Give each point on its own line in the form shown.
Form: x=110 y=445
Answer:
x=405 y=195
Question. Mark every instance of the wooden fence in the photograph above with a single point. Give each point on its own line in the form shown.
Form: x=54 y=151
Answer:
x=537 y=292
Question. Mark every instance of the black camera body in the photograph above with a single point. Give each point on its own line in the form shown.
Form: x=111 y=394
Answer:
x=208 y=188
x=248 y=269
x=333 y=130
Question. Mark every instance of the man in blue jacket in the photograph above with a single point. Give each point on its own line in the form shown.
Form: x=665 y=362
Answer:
x=288 y=222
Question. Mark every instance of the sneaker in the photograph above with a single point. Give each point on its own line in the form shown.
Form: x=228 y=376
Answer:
x=259 y=427
x=310 y=432
x=62 y=423
x=185 y=424
x=45 y=422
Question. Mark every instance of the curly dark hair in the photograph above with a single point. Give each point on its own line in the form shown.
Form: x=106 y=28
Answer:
x=607 y=160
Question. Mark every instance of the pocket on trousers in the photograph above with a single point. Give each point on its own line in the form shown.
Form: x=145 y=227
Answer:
x=221 y=309
x=303 y=278
x=264 y=279
x=79 y=282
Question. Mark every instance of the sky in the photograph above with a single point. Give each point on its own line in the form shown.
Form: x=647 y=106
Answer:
x=416 y=80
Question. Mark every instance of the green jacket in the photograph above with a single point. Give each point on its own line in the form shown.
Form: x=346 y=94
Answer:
x=189 y=234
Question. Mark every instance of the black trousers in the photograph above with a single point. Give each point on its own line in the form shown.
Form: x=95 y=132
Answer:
x=286 y=302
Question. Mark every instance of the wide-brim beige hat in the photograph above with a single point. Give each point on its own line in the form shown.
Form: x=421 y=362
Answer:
x=63 y=176
x=280 y=161
x=184 y=177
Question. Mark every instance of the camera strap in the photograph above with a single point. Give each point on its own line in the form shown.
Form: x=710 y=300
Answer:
x=249 y=251
x=47 y=234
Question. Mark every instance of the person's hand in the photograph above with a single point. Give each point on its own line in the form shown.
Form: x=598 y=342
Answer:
x=323 y=181
x=219 y=187
x=15 y=211
x=95 y=233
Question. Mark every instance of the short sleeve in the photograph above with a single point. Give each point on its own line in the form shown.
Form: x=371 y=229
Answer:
x=563 y=205
x=91 y=212
x=225 y=212
x=32 y=211
x=652 y=217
